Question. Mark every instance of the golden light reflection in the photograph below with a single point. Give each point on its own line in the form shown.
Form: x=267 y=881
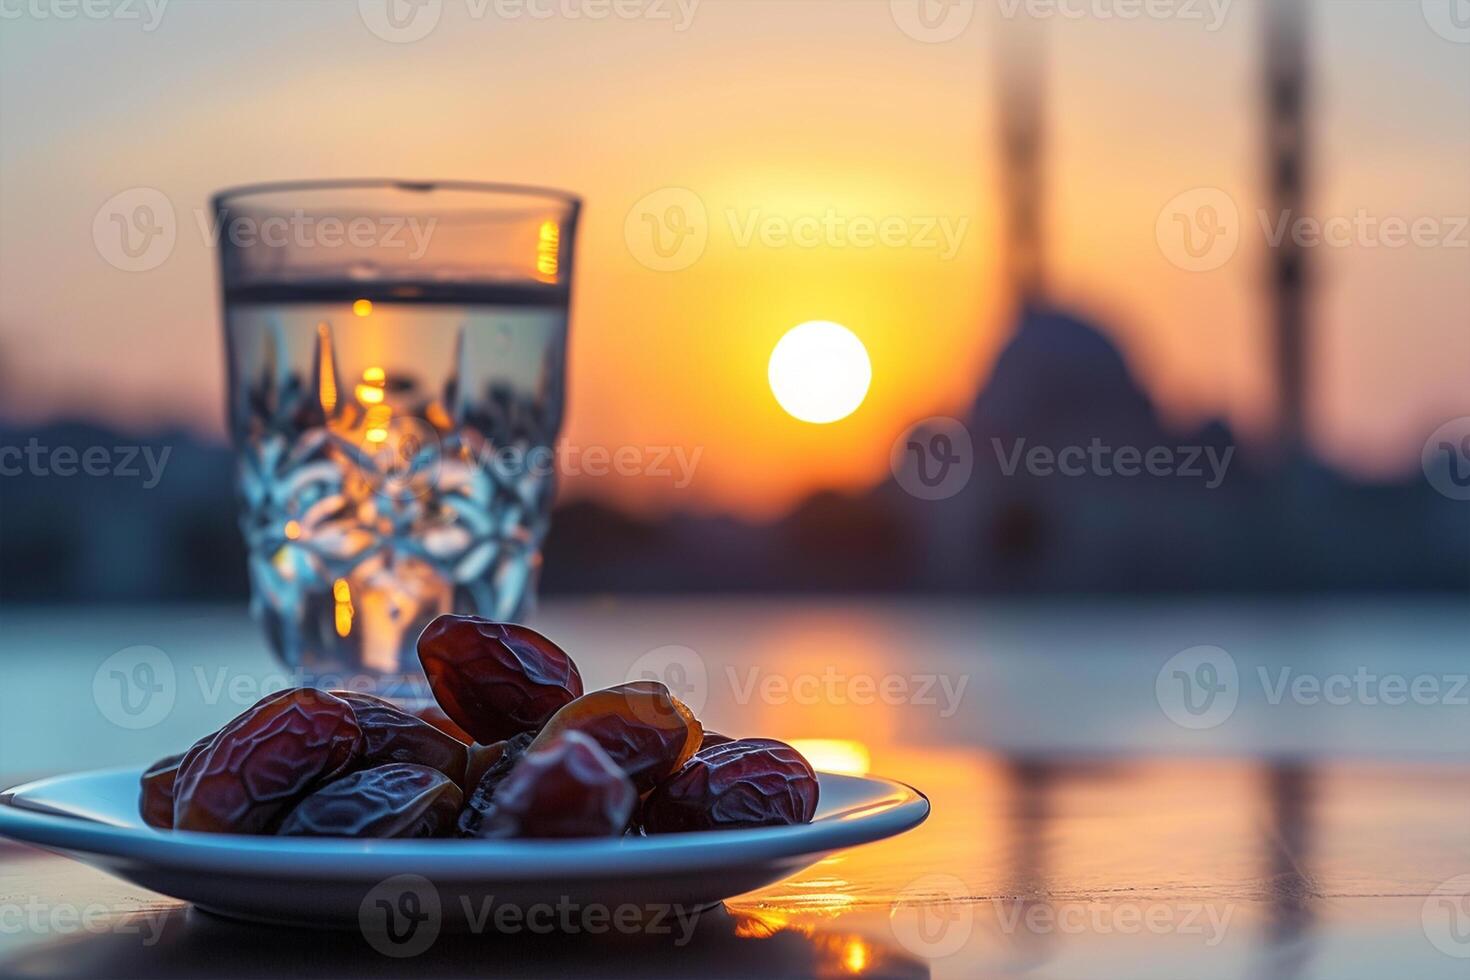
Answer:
x=842 y=755
x=342 y=593
x=855 y=956
x=759 y=923
x=326 y=380
x=363 y=307
x=378 y=418
x=370 y=393
x=548 y=252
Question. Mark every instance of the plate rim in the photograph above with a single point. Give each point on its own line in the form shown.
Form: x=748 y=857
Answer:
x=338 y=859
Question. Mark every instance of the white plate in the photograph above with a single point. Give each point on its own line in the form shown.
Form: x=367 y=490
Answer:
x=93 y=817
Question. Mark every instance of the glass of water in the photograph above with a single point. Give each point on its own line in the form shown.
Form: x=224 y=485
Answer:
x=396 y=357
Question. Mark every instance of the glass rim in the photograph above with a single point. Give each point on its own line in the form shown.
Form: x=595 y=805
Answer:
x=244 y=192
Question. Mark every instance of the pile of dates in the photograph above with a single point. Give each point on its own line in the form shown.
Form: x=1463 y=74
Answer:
x=514 y=749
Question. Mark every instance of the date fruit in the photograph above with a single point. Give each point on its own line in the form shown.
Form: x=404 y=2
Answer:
x=495 y=680
x=565 y=788
x=258 y=765
x=750 y=782
x=489 y=765
x=394 y=800
x=156 y=801
x=435 y=716
x=712 y=739
x=391 y=734
x=643 y=728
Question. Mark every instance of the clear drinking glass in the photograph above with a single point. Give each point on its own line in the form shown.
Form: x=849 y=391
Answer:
x=397 y=358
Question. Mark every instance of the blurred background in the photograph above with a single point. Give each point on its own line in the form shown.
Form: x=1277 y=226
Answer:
x=1230 y=234
x=1162 y=327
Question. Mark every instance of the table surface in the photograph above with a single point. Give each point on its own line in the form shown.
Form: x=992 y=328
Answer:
x=1077 y=830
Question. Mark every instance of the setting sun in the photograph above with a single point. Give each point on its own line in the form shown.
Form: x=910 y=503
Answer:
x=820 y=372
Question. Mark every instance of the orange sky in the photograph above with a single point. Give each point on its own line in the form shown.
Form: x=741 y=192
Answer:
x=765 y=108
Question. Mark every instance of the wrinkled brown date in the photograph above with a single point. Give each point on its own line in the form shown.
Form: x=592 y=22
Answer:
x=258 y=765
x=495 y=680
x=395 y=800
x=643 y=728
x=566 y=788
x=391 y=734
x=712 y=739
x=156 y=801
x=435 y=716
x=491 y=764
x=749 y=782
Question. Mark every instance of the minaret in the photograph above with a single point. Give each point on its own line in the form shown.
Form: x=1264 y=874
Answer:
x=1287 y=164
x=1021 y=81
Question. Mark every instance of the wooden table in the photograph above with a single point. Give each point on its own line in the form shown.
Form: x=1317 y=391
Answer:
x=1060 y=845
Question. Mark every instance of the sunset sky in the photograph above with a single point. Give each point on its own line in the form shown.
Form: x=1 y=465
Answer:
x=760 y=108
